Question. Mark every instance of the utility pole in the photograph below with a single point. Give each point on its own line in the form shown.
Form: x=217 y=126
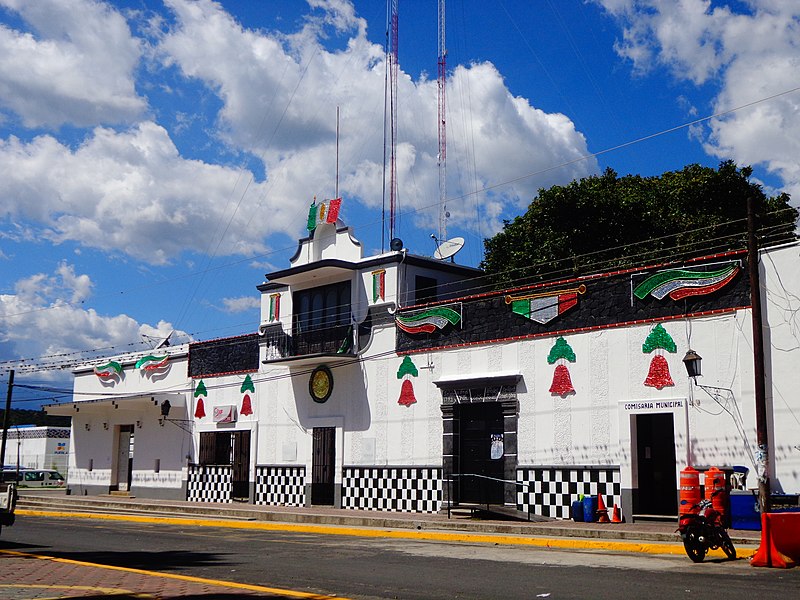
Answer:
x=7 y=416
x=762 y=433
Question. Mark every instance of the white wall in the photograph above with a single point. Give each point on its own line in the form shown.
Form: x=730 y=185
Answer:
x=37 y=451
x=780 y=270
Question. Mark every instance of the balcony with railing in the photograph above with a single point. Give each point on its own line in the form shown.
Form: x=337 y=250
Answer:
x=334 y=341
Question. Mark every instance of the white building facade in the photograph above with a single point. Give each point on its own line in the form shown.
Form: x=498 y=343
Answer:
x=397 y=382
x=38 y=448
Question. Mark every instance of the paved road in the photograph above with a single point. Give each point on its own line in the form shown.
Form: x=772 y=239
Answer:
x=372 y=567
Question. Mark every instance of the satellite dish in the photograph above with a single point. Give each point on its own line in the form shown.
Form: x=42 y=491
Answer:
x=449 y=248
x=396 y=244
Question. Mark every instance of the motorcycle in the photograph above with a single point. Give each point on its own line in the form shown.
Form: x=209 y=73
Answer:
x=702 y=530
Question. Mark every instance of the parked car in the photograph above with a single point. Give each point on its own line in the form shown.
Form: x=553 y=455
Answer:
x=41 y=478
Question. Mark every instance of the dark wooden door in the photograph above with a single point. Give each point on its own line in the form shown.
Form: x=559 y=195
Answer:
x=482 y=475
x=241 y=465
x=323 y=466
x=657 y=492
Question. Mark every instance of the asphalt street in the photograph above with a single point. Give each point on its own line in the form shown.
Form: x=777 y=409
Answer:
x=292 y=563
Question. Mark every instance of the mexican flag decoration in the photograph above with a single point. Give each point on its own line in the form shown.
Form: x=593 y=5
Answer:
x=274 y=307
x=406 y=371
x=199 y=392
x=324 y=212
x=379 y=285
x=247 y=386
x=659 y=341
x=561 y=353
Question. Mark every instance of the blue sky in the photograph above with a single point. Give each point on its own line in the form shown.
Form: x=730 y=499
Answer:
x=158 y=158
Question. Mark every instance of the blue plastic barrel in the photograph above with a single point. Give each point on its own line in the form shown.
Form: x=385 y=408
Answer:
x=577 y=511
x=589 y=509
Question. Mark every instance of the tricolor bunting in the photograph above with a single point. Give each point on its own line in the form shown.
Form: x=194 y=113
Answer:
x=681 y=283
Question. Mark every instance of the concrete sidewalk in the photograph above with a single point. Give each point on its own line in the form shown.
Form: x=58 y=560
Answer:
x=640 y=531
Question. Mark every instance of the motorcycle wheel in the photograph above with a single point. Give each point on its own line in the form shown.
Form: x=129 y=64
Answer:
x=727 y=545
x=694 y=548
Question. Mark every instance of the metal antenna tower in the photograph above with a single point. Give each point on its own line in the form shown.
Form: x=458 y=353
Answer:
x=392 y=65
x=442 y=125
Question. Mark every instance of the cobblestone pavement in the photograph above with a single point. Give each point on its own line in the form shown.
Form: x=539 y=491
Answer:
x=26 y=576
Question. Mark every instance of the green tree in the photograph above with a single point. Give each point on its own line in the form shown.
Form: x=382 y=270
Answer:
x=607 y=222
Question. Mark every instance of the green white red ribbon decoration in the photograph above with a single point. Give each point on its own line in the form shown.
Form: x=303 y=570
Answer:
x=428 y=320
x=110 y=369
x=681 y=283
x=152 y=363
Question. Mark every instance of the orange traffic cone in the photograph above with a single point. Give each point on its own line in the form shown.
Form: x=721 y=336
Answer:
x=602 y=511
x=615 y=518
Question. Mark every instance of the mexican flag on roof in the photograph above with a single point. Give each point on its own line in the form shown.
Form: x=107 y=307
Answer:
x=324 y=212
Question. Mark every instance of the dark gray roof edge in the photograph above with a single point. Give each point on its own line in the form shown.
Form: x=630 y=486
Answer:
x=411 y=259
x=270 y=286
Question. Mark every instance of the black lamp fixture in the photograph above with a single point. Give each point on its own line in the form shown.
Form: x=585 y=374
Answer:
x=185 y=424
x=692 y=360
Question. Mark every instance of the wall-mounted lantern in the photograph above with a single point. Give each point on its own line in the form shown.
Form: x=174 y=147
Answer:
x=693 y=360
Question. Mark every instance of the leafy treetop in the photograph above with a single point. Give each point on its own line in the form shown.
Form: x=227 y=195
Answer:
x=607 y=222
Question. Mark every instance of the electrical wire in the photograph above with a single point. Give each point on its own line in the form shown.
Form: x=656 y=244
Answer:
x=477 y=289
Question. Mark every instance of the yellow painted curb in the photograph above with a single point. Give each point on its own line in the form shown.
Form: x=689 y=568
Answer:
x=189 y=578
x=442 y=536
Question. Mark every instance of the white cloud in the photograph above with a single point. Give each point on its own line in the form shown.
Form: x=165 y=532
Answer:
x=279 y=95
x=43 y=320
x=241 y=304
x=75 y=67
x=749 y=55
x=132 y=192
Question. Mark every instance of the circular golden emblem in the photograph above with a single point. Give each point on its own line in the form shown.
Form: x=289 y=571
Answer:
x=320 y=384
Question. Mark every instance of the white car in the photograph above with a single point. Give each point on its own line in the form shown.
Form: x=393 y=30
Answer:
x=41 y=478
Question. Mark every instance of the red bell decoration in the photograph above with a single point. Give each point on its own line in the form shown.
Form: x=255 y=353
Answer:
x=247 y=407
x=562 y=383
x=659 y=376
x=200 y=411
x=407 y=397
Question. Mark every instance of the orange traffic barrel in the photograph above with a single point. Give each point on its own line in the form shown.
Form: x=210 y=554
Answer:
x=690 y=490
x=715 y=481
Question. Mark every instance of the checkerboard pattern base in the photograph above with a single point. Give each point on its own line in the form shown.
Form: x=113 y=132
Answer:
x=281 y=485
x=550 y=491
x=399 y=489
x=210 y=483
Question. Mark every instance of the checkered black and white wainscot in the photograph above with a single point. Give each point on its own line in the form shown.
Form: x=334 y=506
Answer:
x=281 y=485
x=550 y=491
x=402 y=489
x=209 y=483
